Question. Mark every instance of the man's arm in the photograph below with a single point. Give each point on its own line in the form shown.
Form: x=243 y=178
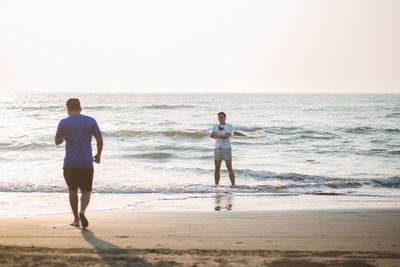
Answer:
x=59 y=134
x=213 y=133
x=224 y=136
x=99 y=141
x=59 y=140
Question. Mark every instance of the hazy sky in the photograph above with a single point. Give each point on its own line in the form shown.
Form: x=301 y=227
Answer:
x=200 y=46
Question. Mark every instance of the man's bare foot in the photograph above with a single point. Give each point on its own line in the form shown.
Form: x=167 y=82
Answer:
x=84 y=221
x=75 y=223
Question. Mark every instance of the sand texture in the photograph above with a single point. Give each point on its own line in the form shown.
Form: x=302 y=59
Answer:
x=229 y=238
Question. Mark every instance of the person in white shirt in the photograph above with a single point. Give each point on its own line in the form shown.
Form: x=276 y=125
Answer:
x=222 y=133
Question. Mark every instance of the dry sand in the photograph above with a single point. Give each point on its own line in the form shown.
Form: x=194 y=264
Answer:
x=228 y=238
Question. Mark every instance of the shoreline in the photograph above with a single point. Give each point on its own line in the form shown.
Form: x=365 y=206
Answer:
x=37 y=204
x=360 y=236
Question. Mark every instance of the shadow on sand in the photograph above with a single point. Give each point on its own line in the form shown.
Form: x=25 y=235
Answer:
x=114 y=255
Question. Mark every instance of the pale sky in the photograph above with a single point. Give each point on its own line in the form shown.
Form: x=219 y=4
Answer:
x=316 y=46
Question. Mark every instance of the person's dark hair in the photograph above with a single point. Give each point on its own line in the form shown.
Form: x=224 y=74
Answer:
x=74 y=104
x=222 y=113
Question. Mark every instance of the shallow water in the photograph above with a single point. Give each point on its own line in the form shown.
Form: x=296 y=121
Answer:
x=157 y=147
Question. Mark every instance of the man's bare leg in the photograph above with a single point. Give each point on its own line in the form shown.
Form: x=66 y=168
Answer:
x=73 y=201
x=85 y=199
x=228 y=164
x=216 y=171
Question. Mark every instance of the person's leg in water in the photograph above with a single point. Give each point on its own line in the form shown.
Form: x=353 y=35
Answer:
x=73 y=201
x=85 y=199
x=228 y=164
x=217 y=171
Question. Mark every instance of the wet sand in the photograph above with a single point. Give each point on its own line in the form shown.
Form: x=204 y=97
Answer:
x=275 y=238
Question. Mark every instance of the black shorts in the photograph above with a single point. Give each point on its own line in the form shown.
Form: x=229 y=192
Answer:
x=80 y=177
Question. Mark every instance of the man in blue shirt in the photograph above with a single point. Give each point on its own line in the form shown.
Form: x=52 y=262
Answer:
x=77 y=131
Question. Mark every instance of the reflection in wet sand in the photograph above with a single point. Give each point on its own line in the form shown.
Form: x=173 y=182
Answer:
x=223 y=202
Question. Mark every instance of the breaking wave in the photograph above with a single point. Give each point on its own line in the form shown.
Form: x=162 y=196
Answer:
x=268 y=182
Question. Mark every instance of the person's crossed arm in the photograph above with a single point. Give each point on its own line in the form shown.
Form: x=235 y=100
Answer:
x=224 y=136
x=214 y=135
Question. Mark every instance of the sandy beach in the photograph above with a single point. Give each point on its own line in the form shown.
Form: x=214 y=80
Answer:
x=227 y=238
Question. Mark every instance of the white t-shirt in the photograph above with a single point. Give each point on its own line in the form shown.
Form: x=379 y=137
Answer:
x=222 y=142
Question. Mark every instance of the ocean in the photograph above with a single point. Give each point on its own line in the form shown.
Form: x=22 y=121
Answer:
x=290 y=151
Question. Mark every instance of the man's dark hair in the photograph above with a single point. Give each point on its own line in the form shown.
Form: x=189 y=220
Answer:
x=222 y=113
x=73 y=104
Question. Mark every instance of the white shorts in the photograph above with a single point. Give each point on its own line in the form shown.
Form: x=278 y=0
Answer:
x=222 y=154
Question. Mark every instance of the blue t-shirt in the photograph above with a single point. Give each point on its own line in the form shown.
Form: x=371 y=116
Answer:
x=77 y=131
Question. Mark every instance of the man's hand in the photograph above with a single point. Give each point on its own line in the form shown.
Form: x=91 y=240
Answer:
x=99 y=141
x=59 y=140
x=213 y=135
x=96 y=158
